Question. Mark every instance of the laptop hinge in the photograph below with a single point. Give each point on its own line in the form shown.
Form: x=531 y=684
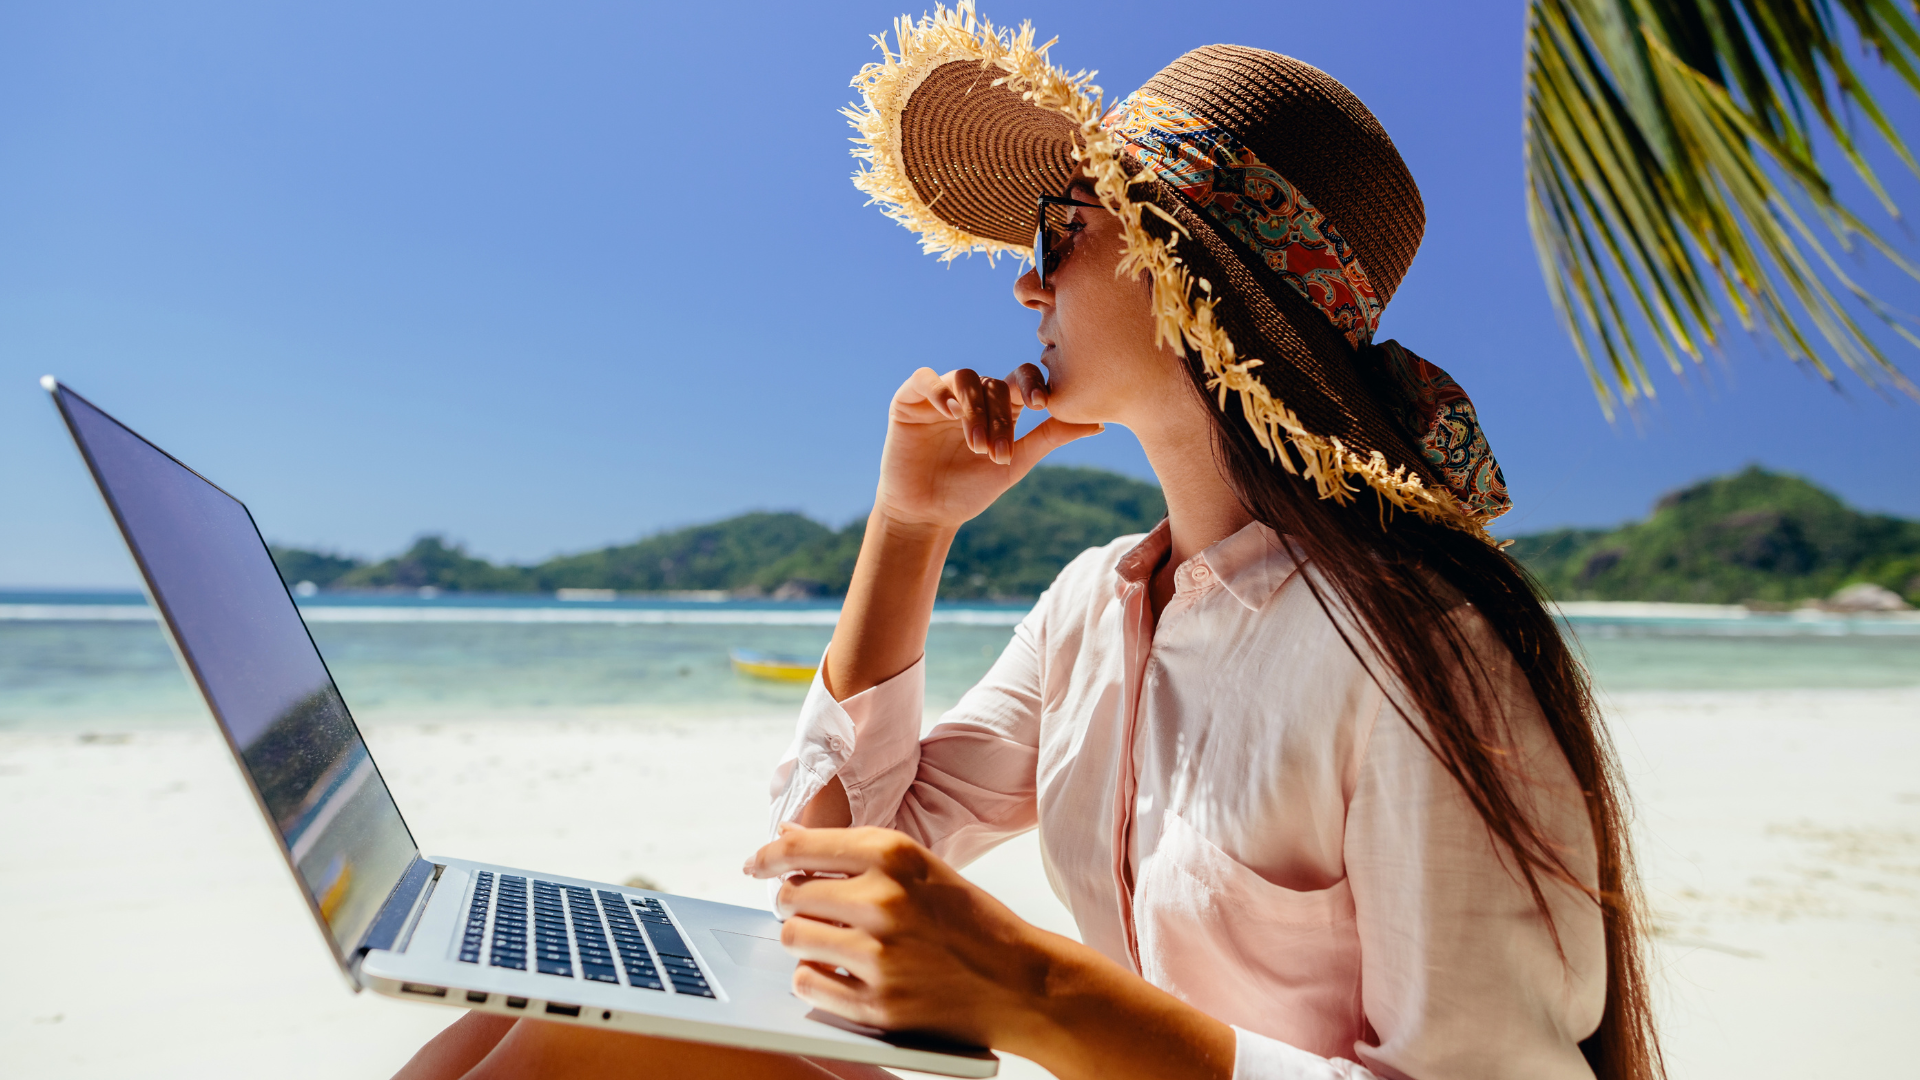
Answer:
x=419 y=910
x=396 y=916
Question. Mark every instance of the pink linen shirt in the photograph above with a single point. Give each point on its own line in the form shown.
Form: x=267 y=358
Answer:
x=1229 y=806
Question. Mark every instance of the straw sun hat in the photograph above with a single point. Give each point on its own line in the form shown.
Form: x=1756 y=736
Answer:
x=1266 y=205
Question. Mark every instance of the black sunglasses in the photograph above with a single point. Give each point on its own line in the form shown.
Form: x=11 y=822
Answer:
x=1045 y=258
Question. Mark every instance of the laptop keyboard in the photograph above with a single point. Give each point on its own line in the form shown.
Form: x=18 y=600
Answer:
x=571 y=935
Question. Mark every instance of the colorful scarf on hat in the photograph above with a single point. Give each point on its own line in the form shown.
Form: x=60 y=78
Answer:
x=1285 y=231
x=1438 y=411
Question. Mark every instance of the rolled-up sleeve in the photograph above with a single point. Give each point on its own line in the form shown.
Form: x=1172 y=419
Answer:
x=865 y=739
x=964 y=787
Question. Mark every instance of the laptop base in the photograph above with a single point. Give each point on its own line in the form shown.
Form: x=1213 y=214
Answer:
x=737 y=950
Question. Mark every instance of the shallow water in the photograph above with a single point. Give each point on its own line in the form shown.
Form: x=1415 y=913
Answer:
x=119 y=672
x=109 y=673
x=1635 y=660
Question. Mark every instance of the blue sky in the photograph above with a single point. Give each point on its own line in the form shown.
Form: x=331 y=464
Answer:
x=548 y=276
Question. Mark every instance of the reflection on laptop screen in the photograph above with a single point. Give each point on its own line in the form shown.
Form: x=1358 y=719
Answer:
x=246 y=645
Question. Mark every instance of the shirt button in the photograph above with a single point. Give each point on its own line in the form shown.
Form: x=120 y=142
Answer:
x=835 y=743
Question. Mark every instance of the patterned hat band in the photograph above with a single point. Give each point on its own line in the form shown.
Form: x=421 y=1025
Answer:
x=1207 y=164
x=1282 y=228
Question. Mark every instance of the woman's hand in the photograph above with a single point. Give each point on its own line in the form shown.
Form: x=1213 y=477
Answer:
x=922 y=948
x=898 y=940
x=949 y=454
x=950 y=447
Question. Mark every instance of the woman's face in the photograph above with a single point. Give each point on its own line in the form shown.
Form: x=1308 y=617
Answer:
x=1097 y=331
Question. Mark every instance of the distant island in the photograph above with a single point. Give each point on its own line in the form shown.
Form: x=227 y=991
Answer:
x=1755 y=537
x=1010 y=552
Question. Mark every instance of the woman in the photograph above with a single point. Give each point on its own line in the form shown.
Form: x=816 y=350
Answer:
x=1311 y=765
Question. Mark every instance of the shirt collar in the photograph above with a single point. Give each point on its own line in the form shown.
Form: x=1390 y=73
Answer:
x=1137 y=565
x=1251 y=564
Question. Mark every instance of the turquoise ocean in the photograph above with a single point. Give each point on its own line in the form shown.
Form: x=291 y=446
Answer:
x=98 y=662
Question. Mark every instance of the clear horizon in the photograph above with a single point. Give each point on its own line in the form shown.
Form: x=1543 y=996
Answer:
x=547 y=280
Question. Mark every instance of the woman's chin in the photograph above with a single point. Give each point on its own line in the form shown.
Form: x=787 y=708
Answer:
x=1060 y=407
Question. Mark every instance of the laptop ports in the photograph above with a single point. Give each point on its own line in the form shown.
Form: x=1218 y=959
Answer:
x=516 y=1003
x=476 y=997
x=563 y=1010
x=423 y=989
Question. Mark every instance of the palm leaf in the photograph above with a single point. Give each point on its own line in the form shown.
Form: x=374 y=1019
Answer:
x=1670 y=168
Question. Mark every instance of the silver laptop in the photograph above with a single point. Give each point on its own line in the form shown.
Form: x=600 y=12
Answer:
x=430 y=929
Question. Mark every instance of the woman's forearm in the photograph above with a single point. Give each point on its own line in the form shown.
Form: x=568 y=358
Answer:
x=1094 y=1019
x=882 y=629
x=883 y=625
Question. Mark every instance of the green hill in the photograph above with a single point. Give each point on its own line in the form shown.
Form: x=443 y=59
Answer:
x=431 y=561
x=733 y=554
x=1021 y=542
x=1753 y=536
x=1012 y=550
x=297 y=565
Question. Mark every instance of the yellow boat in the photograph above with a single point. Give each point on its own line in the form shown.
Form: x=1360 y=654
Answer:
x=334 y=885
x=756 y=665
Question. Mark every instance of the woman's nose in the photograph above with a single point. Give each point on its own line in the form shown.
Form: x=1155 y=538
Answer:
x=1028 y=291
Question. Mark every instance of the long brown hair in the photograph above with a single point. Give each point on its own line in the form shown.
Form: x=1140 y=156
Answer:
x=1400 y=577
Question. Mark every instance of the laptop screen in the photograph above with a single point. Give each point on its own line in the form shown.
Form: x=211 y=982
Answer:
x=245 y=644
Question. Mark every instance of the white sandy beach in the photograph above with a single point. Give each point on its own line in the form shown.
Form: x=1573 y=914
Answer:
x=156 y=934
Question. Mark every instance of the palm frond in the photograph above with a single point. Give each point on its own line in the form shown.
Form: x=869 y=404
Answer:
x=1670 y=162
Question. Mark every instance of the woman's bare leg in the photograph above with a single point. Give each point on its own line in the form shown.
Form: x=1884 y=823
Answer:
x=458 y=1048
x=479 y=1046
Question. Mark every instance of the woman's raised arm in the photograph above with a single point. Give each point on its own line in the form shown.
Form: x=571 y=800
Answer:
x=950 y=452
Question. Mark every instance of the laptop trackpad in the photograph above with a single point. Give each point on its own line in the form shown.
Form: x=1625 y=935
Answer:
x=766 y=954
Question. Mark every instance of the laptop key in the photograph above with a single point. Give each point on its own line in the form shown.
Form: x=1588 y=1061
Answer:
x=510 y=924
x=667 y=941
x=477 y=918
x=676 y=959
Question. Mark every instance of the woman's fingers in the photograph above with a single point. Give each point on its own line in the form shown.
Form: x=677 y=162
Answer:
x=1029 y=385
x=970 y=406
x=831 y=946
x=834 y=851
x=926 y=385
x=843 y=995
x=1048 y=437
x=999 y=441
x=902 y=942
x=986 y=409
x=986 y=413
x=870 y=901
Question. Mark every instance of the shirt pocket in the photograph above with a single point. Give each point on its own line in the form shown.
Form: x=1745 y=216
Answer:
x=1273 y=960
